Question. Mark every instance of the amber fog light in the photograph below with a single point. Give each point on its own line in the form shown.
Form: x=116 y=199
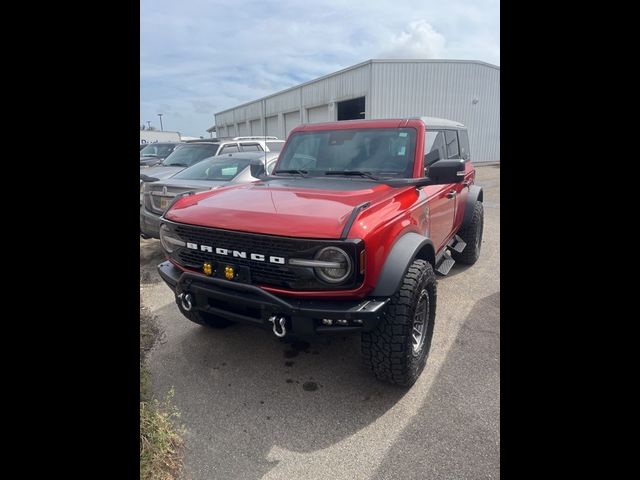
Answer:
x=207 y=268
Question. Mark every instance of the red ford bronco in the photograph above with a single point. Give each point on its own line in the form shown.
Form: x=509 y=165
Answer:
x=345 y=236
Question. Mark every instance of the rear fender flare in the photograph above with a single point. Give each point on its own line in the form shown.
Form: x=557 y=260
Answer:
x=475 y=195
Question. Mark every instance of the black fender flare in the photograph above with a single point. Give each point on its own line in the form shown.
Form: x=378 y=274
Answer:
x=405 y=250
x=475 y=195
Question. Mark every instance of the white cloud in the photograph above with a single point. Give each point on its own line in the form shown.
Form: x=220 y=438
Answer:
x=419 y=40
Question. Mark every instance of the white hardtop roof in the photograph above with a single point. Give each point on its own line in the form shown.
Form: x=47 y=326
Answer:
x=434 y=122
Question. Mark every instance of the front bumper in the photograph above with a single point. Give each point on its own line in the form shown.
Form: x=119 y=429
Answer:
x=246 y=303
x=149 y=223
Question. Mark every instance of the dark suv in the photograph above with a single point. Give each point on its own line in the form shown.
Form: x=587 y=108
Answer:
x=153 y=153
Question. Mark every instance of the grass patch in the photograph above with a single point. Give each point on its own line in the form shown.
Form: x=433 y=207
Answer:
x=160 y=439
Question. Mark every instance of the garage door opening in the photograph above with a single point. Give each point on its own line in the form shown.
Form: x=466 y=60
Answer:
x=351 y=109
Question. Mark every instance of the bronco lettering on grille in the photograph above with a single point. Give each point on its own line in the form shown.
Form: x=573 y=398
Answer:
x=258 y=257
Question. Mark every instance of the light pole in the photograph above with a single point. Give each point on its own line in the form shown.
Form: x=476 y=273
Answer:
x=160 y=115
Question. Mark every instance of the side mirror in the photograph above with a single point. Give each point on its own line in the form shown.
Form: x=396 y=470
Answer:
x=432 y=157
x=447 y=171
x=429 y=159
x=257 y=170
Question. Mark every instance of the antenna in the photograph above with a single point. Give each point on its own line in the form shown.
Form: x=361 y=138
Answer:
x=264 y=132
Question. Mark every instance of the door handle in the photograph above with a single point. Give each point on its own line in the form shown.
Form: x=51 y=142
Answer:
x=452 y=194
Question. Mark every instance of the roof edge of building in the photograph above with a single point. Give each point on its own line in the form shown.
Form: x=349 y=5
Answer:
x=432 y=60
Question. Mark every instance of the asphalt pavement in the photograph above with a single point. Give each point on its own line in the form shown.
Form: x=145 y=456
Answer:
x=254 y=406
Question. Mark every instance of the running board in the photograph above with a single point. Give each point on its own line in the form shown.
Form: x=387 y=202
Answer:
x=457 y=244
x=444 y=264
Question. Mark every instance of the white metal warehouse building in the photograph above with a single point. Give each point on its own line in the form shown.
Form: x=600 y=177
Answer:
x=460 y=90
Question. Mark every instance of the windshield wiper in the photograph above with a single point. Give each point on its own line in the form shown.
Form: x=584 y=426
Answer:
x=302 y=173
x=176 y=165
x=352 y=173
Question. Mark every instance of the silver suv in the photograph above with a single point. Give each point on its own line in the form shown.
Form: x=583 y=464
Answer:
x=244 y=144
x=209 y=174
x=194 y=151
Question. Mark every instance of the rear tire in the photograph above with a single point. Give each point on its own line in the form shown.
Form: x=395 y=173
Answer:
x=397 y=349
x=472 y=235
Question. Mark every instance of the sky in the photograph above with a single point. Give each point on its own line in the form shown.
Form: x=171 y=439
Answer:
x=201 y=57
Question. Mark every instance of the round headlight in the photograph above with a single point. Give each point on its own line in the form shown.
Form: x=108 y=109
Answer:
x=336 y=274
x=169 y=243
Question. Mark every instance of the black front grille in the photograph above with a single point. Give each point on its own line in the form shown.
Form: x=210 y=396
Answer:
x=262 y=273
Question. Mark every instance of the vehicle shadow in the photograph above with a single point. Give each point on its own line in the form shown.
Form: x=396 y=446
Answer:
x=458 y=424
x=241 y=391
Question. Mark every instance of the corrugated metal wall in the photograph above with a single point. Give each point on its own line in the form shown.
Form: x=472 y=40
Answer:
x=272 y=126
x=339 y=86
x=291 y=120
x=256 y=127
x=318 y=114
x=468 y=92
x=243 y=129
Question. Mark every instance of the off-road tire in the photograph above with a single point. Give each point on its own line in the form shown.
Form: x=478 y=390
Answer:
x=388 y=350
x=471 y=233
x=204 y=318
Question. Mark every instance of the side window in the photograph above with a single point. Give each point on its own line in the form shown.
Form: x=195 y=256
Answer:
x=463 y=136
x=453 y=148
x=270 y=167
x=434 y=147
x=232 y=148
x=251 y=147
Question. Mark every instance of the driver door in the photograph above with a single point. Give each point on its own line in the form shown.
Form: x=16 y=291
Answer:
x=441 y=203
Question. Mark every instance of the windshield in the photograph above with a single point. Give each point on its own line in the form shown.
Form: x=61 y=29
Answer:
x=187 y=155
x=215 y=169
x=157 y=150
x=379 y=151
x=275 y=146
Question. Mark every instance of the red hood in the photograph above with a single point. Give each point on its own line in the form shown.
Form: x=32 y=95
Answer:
x=278 y=210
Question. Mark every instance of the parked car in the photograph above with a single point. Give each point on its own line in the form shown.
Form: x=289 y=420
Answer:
x=209 y=174
x=179 y=159
x=194 y=151
x=345 y=236
x=267 y=143
x=153 y=153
